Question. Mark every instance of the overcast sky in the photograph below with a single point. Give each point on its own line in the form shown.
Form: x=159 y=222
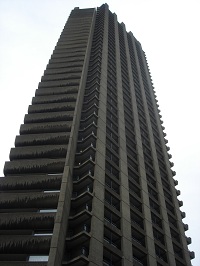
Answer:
x=169 y=34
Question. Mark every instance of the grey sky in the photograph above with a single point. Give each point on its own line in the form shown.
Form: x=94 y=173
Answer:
x=169 y=34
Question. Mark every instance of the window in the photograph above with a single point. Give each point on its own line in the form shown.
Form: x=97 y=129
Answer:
x=138 y=237
x=111 y=184
x=132 y=163
x=113 y=201
x=135 y=203
x=112 y=125
x=112 y=146
x=112 y=218
x=133 y=175
x=137 y=219
x=158 y=236
x=156 y=220
x=43 y=233
x=154 y=205
x=160 y=253
x=47 y=210
x=112 y=170
x=38 y=258
x=112 y=238
x=112 y=134
x=153 y=192
x=112 y=157
x=134 y=189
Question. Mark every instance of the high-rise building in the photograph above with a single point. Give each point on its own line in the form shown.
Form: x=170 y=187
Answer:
x=89 y=181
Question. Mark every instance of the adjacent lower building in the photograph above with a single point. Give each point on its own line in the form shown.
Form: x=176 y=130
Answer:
x=89 y=181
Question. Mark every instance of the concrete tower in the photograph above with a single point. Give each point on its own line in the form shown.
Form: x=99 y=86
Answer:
x=89 y=181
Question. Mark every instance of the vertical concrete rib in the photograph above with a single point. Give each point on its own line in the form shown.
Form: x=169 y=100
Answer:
x=144 y=189
x=61 y=220
x=170 y=176
x=124 y=187
x=97 y=224
x=171 y=258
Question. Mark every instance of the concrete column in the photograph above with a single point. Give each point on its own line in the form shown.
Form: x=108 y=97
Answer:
x=97 y=223
x=124 y=187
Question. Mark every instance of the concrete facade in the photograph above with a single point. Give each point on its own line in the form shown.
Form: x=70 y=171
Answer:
x=89 y=181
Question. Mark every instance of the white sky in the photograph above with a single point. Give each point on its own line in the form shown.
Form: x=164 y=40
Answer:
x=169 y=34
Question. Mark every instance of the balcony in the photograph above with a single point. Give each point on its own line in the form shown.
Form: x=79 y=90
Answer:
x=78 y=175
x=78 y=239
x=31 y=182
x=89 y=110
x=26 y=221
x=175 y=182
x=84 y=168
x=166 y=141
x=90 y=129
x=91 y=120
x=87 y=117
x=192 y=255
x=91 y=102
x=34 y=200
x=85 y=182
x=54 y=98
x=173 y=173
x=48 y=117
x=46 y=127
x=183 y=215
x=180 y=203
x=186 y=227
x=80 y=260
x=169 y=156
x=189 y=240
x=24 y=244
x=178 y=193
x=81 y=199
x=42 y=139
x=80 y=218
x=84 y=143
x=91 y=95
x=84 y=155
x=36 y=152
x=167 y=148
x=76 y=193
x=77 y=256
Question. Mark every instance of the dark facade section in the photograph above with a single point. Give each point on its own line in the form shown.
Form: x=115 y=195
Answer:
x=89 y=181
x=31 y=188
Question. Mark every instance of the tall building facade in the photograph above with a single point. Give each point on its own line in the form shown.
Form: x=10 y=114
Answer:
x=89 y=181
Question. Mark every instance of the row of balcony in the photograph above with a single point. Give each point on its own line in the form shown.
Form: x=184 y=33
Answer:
x=78 y=234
